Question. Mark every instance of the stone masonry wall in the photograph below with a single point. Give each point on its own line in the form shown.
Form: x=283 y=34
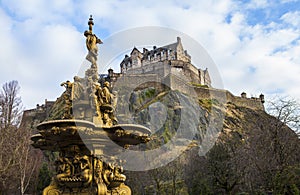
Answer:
x=223 y=96
x=178 y=77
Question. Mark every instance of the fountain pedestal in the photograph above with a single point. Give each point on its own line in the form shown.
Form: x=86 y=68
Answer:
x=83 y=167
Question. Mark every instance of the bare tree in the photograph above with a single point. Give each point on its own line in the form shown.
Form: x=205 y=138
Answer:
x=10 y=111
x=17 y=164
x=7 y=159
x=224 y=167
x=10 y=105
x=174 y=175
x=29 y=160
x=285 y=147
x=271 y=148
x=158 y=175
x=286 y=110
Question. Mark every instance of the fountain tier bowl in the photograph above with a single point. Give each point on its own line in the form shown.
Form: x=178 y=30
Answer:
x=56 y=134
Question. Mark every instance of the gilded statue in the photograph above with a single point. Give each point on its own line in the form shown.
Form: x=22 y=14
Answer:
x=99 y=94
x=67 y=96
x=106 y=93
x=109 y=104
x=94 y=90
x=77 y=169
x=85 y=169
x=68 y=85
x=112 y=174
x=77 y=89
x=81 y=127
x=64 y=168
x=92 y=39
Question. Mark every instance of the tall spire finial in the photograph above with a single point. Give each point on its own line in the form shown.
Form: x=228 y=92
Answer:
x=91 y=23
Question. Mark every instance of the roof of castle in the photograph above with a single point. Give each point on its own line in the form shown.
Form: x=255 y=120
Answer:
x=146 y=52
x=134 y=50
x=172 y=46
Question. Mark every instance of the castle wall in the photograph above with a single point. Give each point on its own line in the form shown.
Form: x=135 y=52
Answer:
x=223 y=96
x=135 y=81
x=206 y=77
x=193 y=69
x=254 y=103
x=32 y=117
x=161 y=68
x=190 y=72
x=181 y=55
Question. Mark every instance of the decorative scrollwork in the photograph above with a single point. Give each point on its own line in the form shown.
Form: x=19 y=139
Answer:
x=52 y=190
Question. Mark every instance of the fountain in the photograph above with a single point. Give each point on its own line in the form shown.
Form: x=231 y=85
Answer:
x=82 y=128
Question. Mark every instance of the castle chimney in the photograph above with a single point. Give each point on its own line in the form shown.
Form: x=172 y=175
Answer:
x=178 y=40
x=262 y=98
x=145 y=50
x=243 y=95
x=110 y=72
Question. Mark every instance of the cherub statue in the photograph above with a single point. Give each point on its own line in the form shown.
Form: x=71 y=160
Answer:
x=85 y=167
x=64 y=168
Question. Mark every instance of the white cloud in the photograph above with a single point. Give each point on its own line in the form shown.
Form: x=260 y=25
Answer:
x=292 y=18
x=8 y=47
x=39 y=56
x=288 y=1
x=256 y=59
x=255 y=4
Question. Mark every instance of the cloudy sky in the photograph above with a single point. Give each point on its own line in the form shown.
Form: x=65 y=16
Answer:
x=254 y=44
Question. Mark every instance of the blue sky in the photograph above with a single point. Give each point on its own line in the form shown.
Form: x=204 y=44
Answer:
x=254 y=44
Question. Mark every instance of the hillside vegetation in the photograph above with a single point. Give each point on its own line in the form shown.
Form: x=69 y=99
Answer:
x=254 y=153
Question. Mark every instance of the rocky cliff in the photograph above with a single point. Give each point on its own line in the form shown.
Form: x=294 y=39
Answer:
x=222 y=148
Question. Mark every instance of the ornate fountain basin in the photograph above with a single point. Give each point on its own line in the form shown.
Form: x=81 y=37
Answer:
x=56 y=134
x=82 y=145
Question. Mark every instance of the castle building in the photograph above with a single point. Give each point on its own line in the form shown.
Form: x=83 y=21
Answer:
x=169 y=60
